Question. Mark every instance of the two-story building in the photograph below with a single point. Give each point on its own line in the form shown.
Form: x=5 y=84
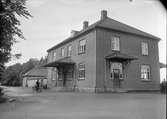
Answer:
x=105 y=56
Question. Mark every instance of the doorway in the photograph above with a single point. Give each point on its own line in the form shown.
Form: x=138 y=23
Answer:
x=116 y=72
x=116 y=80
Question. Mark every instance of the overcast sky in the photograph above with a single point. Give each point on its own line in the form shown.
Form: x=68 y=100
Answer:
x=53 y=21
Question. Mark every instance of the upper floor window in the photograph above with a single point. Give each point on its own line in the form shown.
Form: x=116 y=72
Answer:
x=82 y=46
x=144 y=48
x=115 y=43
x=62 y=52
x=81 y=71
x=69 y=50
x=54 y=55
x=145 y=72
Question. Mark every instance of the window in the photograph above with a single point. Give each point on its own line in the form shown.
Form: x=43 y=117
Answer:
x=144 y=48
x=115 y=43
x=54 y=55
x=81 y=71
x=145 y=72
x=69 y=50
x=82 y=46
x=62 y=52
x=54 y=73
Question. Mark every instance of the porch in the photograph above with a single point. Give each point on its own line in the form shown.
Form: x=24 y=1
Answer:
x=63 y=73
x=115 y=65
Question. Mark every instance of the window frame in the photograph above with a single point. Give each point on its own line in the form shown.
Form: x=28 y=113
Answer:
x=114 y=45
x=61 y=53
x=54 y=73
x=144 y=46
x=81 y=46
x=69 y=52
x=80 y=69
x=145 y=73
x=54 y=55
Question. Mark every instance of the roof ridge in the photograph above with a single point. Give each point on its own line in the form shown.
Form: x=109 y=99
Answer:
x=126 y=28
x=133 y=27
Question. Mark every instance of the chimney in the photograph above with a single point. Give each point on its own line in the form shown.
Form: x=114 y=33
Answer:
x=85 y=24
x=103 y=14
x=73 y=32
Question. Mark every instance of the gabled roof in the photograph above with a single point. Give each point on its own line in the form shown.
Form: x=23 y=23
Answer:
x=36 y=72
x=111 y=24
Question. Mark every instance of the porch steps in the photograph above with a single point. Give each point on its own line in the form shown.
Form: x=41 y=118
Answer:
x=64 y=89
x=119 y=91
x=116 y=91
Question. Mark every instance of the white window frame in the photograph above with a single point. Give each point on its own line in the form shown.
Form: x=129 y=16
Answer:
x=82 y=47
x=145 y=73
x=54 y=55
x=115 y=43
x=69 y=50
x=62 y=52
x=54 y=74
x=144 y=48
x=81 y=68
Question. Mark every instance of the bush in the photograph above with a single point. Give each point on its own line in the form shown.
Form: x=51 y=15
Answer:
x=2 y=99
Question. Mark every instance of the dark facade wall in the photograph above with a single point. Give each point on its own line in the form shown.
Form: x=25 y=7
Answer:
x=89 y=58
x=131 y=45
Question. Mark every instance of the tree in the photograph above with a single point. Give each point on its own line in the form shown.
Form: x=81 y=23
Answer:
x=12 y=76
x=9 y=30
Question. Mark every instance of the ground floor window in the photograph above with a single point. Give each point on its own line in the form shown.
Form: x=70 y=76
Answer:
x=81 y=71
x=54 y=74
x=145 y=72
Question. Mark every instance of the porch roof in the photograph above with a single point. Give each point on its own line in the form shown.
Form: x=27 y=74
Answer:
x=60 y=62
x=121 y=57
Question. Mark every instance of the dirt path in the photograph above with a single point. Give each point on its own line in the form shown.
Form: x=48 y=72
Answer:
x=54 y=105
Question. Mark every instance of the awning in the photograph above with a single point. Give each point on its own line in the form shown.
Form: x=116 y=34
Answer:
x=120 y=57
x=60 y=62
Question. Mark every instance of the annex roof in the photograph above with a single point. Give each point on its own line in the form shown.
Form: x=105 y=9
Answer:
x=36 y=72
x=162 y=65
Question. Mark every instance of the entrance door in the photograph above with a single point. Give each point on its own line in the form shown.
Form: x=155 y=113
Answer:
x=64 y=78
x=116 y=80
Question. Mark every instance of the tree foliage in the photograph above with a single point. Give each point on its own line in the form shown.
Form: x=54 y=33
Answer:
x=9 y=25
x=12 y=76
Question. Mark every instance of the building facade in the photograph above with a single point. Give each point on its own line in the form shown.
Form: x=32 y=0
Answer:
x=105 y=56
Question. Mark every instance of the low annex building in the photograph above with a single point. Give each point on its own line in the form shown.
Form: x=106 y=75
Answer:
x=37 y=73
x=105 y=56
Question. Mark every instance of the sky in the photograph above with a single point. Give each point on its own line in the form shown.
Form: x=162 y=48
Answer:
x=53 y=21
